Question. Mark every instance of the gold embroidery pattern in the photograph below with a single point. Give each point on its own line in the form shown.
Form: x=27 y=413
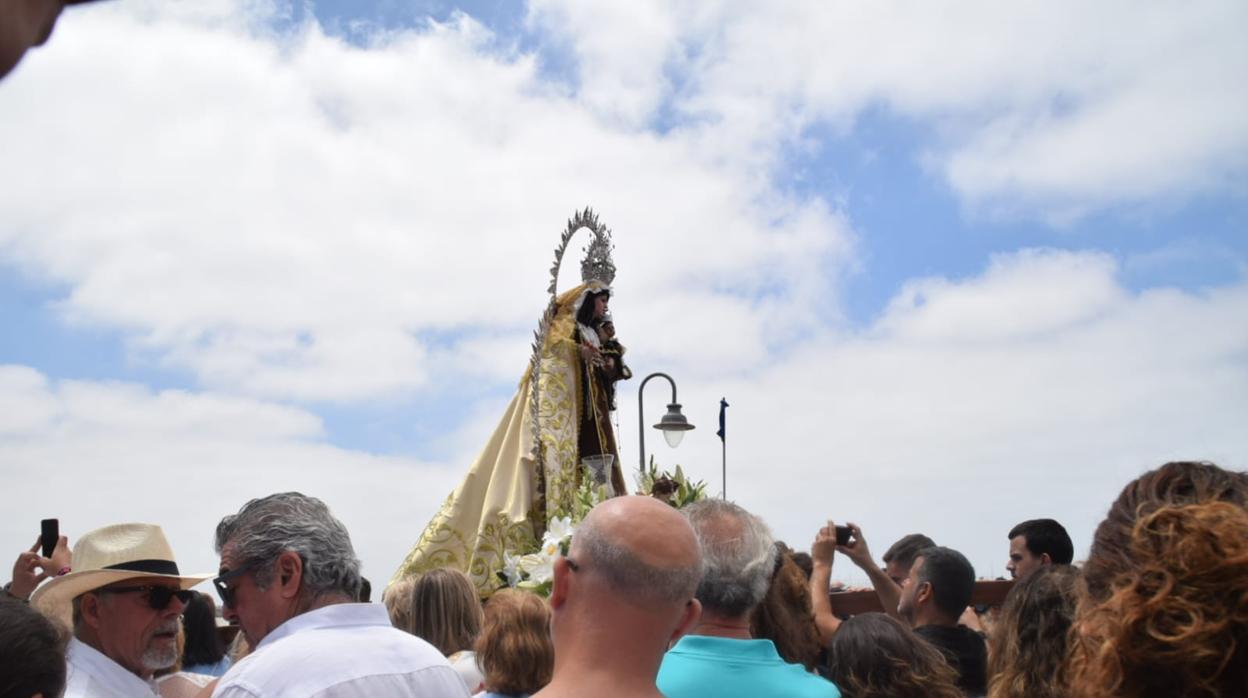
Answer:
x=438 y=539
x=558 y=420
x=442 y=545
x=493 y=540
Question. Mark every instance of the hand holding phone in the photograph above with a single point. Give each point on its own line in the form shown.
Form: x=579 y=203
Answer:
x=30 y=568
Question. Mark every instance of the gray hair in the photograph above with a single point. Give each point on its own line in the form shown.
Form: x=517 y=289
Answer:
x=75 y=606
x=737 y=559
x=265 y=528
x=629 y=575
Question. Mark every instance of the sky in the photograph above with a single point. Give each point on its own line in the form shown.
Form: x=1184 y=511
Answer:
x=953 y=266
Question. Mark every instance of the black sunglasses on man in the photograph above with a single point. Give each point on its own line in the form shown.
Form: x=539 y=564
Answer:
x=157 y=596
x=225 y=592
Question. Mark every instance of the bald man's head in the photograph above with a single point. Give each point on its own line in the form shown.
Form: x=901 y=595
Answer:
x=643 y=549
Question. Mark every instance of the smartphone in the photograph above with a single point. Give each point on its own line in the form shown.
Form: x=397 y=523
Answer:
x=50 y=533
x=842 y=535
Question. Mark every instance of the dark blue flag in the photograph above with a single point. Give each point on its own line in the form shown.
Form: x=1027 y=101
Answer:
x=723 y=408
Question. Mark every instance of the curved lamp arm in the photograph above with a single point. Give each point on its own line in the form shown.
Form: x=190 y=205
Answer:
x=672 y=421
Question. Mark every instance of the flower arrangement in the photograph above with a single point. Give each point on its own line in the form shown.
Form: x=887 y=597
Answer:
x=535 y=571
x=674 y=488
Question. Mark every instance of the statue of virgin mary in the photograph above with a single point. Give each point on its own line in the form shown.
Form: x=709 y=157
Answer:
x=528 y=472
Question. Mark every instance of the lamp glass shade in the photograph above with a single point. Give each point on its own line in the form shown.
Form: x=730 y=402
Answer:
x=673 y=425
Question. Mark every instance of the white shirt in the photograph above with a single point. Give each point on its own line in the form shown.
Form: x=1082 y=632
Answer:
x=91 y=674
x=182 y=684
x=342 y=651
x=465 y=664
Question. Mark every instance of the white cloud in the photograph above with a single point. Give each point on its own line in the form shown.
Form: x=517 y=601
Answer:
x=1038 y=388
x=295 y=217
x=84 y=406
x=1052 y=109
x=623 y=51
x=92 y=454
x=1031 y=292
x=24 y=404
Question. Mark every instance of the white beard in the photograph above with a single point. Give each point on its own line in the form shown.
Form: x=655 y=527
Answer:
x=162 y=656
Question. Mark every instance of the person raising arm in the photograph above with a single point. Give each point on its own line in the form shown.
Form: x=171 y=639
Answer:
x=886 y=588
x=822 y=553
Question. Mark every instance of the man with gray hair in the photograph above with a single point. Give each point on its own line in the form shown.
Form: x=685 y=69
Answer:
x=621 y=596
x=289 y=577
x=720 y=657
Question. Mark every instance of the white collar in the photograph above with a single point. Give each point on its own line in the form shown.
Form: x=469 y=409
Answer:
x=334 y=615
x=109 y=674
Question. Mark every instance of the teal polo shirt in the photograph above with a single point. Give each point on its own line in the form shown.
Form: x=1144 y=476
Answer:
x=700 y=665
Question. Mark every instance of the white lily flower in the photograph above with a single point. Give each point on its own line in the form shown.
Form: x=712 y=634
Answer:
x=511 y=569
x=544 y=571
x=527 y=563
x=557 y=531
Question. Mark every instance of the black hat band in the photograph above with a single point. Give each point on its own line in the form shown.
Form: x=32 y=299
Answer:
x=168 y=567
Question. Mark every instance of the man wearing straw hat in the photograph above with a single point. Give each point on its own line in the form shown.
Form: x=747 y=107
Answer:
x=124 y=601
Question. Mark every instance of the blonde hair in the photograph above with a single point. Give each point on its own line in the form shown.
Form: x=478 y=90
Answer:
x=445 y=610
x=514 y=650
x=398 y=601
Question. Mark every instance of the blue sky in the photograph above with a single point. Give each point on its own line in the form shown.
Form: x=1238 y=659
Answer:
x=912 y=225
x=852 y=212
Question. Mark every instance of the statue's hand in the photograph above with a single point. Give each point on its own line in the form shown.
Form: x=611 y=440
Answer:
x=590 y=355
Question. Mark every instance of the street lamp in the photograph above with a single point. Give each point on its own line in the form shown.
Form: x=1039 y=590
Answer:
x=673 y=424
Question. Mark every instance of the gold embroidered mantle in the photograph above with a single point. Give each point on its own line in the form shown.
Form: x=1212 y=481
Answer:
x=498 y=508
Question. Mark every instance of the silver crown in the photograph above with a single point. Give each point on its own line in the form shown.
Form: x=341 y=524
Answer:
x=596 y=265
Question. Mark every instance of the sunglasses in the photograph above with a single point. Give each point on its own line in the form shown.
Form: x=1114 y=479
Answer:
x=225 y=592
x=157 y=597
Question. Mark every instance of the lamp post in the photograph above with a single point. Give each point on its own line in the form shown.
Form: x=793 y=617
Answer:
x=673 y=424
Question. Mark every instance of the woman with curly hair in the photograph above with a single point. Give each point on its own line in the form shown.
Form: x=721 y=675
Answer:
x=514 y=649
x=1164 y=608
x=875 y=656
x=1027 y=655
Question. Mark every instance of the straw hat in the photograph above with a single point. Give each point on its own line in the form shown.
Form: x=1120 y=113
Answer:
x=109 y=555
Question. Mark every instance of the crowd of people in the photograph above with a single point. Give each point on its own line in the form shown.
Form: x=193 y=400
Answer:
x=650 y=600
